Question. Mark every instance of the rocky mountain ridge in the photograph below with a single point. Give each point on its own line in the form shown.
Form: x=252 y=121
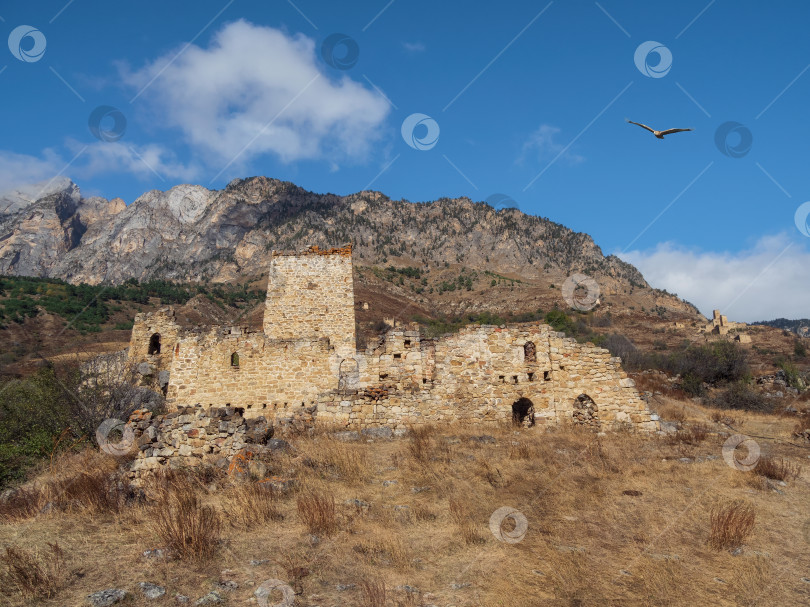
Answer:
x=191 y=233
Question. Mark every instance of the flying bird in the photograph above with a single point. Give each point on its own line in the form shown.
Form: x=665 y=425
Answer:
x=659 y=134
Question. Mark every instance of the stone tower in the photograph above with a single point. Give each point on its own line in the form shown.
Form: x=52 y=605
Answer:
x=311 y=295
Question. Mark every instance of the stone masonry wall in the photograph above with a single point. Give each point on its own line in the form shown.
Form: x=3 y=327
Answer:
x=305 y=362
x=311 y=295
x=478 y=375
x=146 y=325
x=271 y=374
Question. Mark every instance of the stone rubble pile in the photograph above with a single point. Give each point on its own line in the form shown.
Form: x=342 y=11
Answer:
x=185 y=437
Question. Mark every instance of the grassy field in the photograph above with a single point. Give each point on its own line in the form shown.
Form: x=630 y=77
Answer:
x=617 y=519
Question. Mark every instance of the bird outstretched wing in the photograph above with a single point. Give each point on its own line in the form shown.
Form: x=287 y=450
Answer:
x=668 y=131
x=643 y=126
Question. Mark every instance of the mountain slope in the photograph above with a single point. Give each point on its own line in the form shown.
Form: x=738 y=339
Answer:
x=190 y=233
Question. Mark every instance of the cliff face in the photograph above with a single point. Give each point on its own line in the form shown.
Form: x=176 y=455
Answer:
x=191 y=233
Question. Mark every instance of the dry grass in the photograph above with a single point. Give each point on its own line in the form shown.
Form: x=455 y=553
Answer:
x=777 y=469
x=372 y=593
x=732 y=521
x=693 y=434
x=596 y=506
x=86 y=481
x=188 y=528
x=248 y=505
x=317 y=512
x=37 y=576
x=337 y=460
x=420 y=443
x=672 y=412
x=464 y=521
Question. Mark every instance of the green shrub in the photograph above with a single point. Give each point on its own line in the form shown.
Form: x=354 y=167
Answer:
x=740 y=395
x=33 y=413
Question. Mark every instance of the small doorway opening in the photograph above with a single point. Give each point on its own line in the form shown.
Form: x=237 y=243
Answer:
x=154 y=344
x=523 y=412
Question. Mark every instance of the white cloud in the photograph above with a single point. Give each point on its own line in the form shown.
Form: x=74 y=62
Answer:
x=143 y=161
x=21 y=169
x=541 y=146
x=259 y=87
x=414 y=47
x=767 y=281
x=86 y=161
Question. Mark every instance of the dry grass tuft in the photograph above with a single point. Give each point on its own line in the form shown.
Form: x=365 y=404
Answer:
x=317 y=512
x=420 y=443
x=521 y=450
x=732 y=521
x=189 y=529
x=460 y=513
x=340 y=460
x=372 y=593
x=250 y=504
x=777 y=469
x=85 y=481
x=672 y=412
x=722 y=417
x=692 y=435
x=37 y=576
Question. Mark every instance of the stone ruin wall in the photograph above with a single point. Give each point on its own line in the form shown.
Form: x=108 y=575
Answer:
x=311 y=295
x=271 y=375
x=475 y=376
x=478 y=375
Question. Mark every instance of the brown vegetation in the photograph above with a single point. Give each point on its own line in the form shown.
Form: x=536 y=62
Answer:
x=732 y=521
x=621 y=517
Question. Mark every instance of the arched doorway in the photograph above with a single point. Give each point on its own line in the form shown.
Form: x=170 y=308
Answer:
x=349 y=374
x=586 y=412
x=523 y=412
x=154 y=344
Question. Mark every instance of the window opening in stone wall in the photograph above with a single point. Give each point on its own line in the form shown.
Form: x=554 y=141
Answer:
x=515 y=379
x=348 y=374
x=407 y=342
x=154 y=344
x=546 y=375
x=235 y=359
x=531 y=376
x=523 y=412
x=530 y=352
x=397 y=356
x=501 y=377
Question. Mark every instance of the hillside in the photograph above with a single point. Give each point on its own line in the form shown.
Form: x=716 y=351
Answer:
x=192 y=234
x=441 y=263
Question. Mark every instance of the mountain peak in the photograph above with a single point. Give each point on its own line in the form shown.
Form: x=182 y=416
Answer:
x=24 y=195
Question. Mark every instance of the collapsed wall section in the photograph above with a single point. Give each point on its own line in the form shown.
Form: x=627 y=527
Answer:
x=528 y=375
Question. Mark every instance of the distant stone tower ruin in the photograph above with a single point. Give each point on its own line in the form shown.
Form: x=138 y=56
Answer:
x=310 y=295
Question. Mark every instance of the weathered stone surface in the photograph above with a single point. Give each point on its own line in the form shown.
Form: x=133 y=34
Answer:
x=106 y=598
x=230 y=388
x=151 y=591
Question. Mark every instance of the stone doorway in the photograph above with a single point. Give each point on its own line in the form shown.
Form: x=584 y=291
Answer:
x=586 y=413
x=154 y=344
x=523 y=413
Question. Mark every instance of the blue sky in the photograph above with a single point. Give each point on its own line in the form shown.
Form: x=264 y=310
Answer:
x=530 y=100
